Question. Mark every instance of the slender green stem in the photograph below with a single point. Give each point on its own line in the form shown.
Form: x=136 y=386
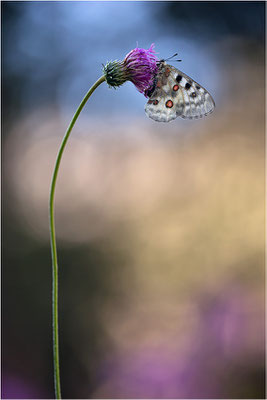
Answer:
x=53 y=240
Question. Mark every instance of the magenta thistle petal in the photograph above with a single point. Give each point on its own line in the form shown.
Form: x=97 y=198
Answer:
x=141 y=67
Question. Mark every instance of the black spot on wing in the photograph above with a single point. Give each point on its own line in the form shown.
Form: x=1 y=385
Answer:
x=188 y=85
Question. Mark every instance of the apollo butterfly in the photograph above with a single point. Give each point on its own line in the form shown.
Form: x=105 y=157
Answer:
x=174 y=94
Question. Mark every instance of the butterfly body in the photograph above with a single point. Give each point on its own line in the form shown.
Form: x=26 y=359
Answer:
x=173 y=94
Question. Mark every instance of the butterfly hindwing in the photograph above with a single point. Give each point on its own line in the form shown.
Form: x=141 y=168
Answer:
x=176 y=94
x=161 y=107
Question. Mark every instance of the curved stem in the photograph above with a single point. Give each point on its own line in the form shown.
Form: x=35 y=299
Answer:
x=53 y=240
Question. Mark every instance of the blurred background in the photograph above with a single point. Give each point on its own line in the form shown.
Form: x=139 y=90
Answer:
x=160 y=227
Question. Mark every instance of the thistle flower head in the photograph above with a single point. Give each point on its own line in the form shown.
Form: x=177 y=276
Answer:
x=139 y=66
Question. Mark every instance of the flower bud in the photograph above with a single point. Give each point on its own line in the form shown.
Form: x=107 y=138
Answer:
x=114 y=73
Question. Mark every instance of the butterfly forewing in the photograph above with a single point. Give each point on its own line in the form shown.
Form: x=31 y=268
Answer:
x=176 y=94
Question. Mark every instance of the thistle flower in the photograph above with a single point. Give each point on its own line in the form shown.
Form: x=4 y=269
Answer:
x=139 y=66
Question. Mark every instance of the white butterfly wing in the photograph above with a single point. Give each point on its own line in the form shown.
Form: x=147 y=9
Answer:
x=176 y=94
x=197 y=100
x=156 y=107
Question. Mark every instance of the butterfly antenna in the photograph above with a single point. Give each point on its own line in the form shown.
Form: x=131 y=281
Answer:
x=167 y=59
x=176 y=54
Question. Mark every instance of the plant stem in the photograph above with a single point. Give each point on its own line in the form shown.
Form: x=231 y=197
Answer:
x=53 y=240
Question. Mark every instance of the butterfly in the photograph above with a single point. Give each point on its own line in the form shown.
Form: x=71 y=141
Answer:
x=174 y=94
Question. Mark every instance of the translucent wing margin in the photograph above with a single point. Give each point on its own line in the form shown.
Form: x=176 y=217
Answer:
x=197 y=100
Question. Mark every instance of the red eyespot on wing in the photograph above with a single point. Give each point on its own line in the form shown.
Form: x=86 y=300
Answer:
x=169 y=104
x=150 y=101
x=175 y=88
x=155 y=102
